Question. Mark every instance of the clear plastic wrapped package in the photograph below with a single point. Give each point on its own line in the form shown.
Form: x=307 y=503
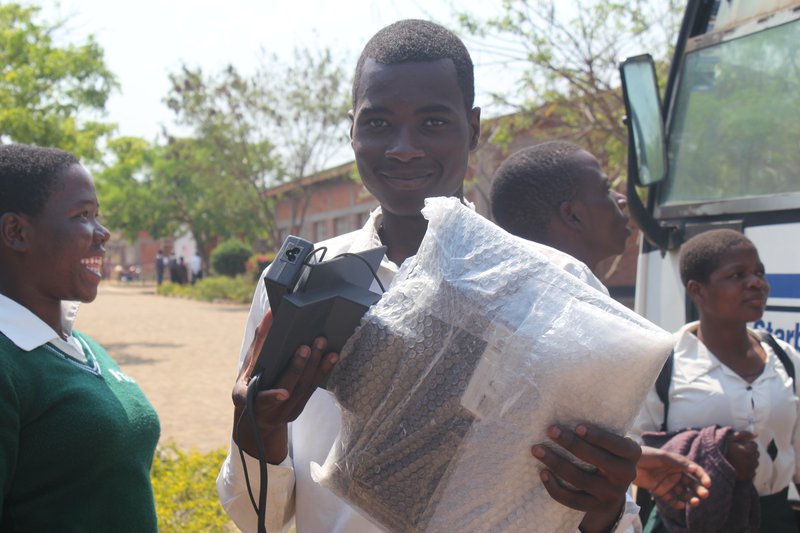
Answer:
x=478 y=346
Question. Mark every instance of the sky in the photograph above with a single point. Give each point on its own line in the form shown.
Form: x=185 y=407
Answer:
x=146 y=40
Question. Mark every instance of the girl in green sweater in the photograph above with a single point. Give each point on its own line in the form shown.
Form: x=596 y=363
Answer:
x=77 y=435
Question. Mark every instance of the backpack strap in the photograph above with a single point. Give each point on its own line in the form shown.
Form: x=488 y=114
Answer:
x=782 y=355
x=662 y=386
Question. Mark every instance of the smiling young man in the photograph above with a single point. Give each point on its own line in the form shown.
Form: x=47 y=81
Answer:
x=413 y=127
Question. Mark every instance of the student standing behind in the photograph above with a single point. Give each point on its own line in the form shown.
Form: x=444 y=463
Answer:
x=725 y=374
x=555 y=193
x=413 y=127
x=78 y=435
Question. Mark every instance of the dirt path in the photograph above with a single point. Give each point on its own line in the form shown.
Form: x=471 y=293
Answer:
x=181 y=352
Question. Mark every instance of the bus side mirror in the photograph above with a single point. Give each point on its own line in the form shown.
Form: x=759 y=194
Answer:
x=644 y=120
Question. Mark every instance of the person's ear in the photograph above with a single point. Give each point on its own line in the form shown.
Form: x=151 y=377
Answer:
x=474 y=127
x=15 y=231
x=696 y=292
x=570 y=214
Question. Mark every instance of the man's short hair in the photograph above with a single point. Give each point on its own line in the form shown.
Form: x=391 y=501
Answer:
x=28 y=175
x=414 y=40
x=700 y=256
x=530 y=186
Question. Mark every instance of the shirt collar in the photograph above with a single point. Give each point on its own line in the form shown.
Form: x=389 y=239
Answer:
x=28 y=331
x=369 y=237
x=697 y=360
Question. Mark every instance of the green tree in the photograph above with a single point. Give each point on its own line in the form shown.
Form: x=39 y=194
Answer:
x=232 y=157
x=166 y=188
x=310 y=101
x=280 y=124
x=123 y=188
x=569 y=53
x=229 y=258
x=50 y=94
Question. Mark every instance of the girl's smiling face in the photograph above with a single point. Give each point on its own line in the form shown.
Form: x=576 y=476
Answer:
x=67 y=241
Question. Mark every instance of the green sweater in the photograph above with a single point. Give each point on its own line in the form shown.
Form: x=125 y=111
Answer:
x=76 y=443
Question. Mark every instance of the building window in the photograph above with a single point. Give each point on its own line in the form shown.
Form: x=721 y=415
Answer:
x=320 y=231
x=341 y=225
x=362 y=218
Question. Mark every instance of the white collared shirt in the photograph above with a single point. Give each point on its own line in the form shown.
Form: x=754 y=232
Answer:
x=28 y=332
x=704 y=392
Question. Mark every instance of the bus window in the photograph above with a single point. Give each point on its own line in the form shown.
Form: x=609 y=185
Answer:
x=723 y=140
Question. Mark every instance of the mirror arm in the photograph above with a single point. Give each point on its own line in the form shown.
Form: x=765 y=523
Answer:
x=663 y=237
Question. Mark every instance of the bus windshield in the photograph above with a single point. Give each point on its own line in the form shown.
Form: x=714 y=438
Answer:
x=723 y=141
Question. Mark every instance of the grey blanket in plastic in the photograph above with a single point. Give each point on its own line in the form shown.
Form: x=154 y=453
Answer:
x=478 y=346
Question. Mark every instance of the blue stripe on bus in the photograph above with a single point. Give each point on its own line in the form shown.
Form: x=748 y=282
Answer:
x=784 y=285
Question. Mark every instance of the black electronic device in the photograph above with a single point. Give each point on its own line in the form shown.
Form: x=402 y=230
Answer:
x=313 y=299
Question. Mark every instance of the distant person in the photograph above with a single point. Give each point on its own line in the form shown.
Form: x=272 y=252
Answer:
x=183 y=271
x=733 y=386
x=556 y=193
x=160 y=260
x=78 y=435
x=196 y=267
x=174 y=275
x=119 y=272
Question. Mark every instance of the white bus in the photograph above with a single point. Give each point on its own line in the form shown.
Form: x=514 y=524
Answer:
x=722 y=150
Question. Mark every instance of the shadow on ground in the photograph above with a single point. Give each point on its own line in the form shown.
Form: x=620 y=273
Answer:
x=121 y=351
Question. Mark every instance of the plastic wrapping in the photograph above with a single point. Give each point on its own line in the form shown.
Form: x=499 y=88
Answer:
x=478 y=346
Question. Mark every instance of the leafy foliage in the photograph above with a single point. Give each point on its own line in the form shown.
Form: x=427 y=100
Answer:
x=277 y=125
x=176 y=290
x=570 y=53
x=237 y=289
x=248 y=133
x=47 y=91
x=229 y=258
x=185 y=490
x=126 y=197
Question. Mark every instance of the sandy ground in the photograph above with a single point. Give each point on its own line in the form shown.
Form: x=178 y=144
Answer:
x=182 y=353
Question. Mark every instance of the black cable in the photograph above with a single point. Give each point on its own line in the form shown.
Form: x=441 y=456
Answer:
x=250 y=411
x=323 y=249
x=244 y=464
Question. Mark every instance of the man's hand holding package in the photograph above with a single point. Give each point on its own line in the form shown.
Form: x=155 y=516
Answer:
x=600 y=493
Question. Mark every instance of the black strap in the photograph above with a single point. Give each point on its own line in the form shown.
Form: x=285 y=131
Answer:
x=783 y=357
x=662 y=386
